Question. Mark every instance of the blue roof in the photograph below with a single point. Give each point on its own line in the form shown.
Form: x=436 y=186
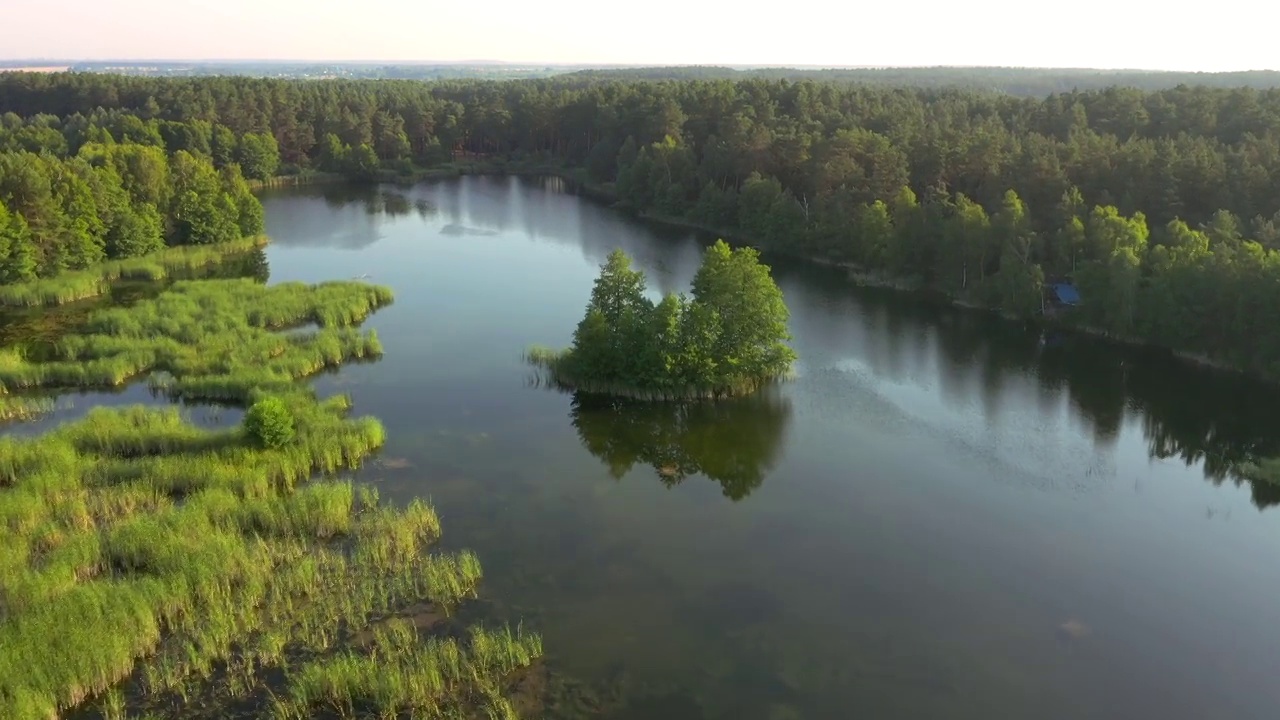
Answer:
x=1066 y=293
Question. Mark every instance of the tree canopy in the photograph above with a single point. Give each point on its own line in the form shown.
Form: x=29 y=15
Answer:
x=727 y=338
x=982 y=196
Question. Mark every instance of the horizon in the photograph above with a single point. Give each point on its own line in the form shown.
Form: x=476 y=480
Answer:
x=1094 y=35
x=54 y=61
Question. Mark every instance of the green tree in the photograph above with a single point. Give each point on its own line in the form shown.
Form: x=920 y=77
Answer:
x=17 y=252
x=269 y=423
x=202 y=212
x=258 y=155
x=611 y=337
x=222 y=146
x=361 y=163
x=752 y=313
x=249 y=214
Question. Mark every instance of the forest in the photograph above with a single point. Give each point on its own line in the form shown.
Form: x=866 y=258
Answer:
x=1162 y=206
x=124 y=192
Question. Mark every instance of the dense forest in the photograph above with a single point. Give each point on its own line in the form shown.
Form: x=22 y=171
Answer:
x=1163 y=207
x=123 y=192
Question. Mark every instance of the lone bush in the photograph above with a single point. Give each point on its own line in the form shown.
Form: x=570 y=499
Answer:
x=269 y=422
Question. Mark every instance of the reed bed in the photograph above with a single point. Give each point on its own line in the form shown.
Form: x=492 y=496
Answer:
x=402 y=675
x=211 y=340
x=180 y=261
x=148 y=561
x=107 y=575
x=23 y=408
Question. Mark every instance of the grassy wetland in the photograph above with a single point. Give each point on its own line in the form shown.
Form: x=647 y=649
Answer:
x=178 y=261
x=151 y=565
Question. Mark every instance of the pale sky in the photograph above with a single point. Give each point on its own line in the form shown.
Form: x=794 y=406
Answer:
x=1151 y=34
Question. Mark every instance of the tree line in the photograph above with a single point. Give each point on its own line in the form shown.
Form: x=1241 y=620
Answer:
x=74 y=195
x=1162 y=206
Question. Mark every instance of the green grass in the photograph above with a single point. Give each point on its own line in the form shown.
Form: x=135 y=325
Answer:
x=211 y=339
x=180 y=261
x=22 y=408
x=147 y=563
x=403 y=675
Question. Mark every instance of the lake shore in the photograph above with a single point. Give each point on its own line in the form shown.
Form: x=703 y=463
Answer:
x=606 y=193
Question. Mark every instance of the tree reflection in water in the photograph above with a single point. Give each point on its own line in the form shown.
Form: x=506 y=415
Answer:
x=734 y=442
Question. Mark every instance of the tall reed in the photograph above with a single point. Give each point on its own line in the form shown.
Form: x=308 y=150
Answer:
x=83 y=284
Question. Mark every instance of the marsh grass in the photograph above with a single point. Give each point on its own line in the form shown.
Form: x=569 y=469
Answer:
x=404 y=675
x=180 y=261
x=191 y=586
x=147 y=561
x=210 y=340
x=23 y=408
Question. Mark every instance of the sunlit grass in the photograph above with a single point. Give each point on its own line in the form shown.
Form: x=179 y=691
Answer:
x=211 y=340
x=83 y=284
x=144 y=558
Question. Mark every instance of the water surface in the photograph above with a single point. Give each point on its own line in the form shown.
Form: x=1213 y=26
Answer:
x=941 y=516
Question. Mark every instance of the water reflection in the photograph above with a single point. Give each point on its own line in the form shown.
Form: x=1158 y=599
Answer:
x=735 y=442
x=354 y=217
x=1216 y=420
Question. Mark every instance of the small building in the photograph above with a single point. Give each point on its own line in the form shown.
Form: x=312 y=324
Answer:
x=1065 y=294
x=1058 y=297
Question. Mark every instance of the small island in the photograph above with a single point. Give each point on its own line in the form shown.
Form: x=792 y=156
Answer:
x=727 y=339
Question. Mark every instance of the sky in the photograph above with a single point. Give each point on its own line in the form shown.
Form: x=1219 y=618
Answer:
x=1140 y=34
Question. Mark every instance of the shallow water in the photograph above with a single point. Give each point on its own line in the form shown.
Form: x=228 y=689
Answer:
x=939 y=516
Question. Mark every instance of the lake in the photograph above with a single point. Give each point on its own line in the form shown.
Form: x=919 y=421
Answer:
x=941 y=515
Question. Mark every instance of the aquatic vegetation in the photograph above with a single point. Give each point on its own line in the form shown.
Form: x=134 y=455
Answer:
x=180 y=261
x=22 y=408
x=149 y=563
x=191 y=563
x=211 y=339
x=402 y=675
x=728 y=339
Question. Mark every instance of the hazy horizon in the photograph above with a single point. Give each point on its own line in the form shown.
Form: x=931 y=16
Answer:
x=428 y=62
x=1095 y=34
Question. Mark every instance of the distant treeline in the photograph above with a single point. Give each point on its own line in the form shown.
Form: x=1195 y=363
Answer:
x=1030 y=82
x=1162 y=206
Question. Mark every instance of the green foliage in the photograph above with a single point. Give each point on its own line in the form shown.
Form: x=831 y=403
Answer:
x=909 y=184
x=258 y=155
x=729 y=338
x=82 y=284
x=192 y=562
x=270 y=423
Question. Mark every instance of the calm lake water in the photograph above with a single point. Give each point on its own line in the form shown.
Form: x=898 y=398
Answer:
x=940 y=516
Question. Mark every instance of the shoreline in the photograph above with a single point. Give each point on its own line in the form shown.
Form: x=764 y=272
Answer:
x=548 y=374
x=604 y=193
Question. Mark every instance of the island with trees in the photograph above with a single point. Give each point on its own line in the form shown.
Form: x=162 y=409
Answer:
x=727 y=338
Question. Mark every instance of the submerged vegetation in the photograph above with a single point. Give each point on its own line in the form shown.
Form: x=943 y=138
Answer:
x=727 y=339
x=147 y=563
